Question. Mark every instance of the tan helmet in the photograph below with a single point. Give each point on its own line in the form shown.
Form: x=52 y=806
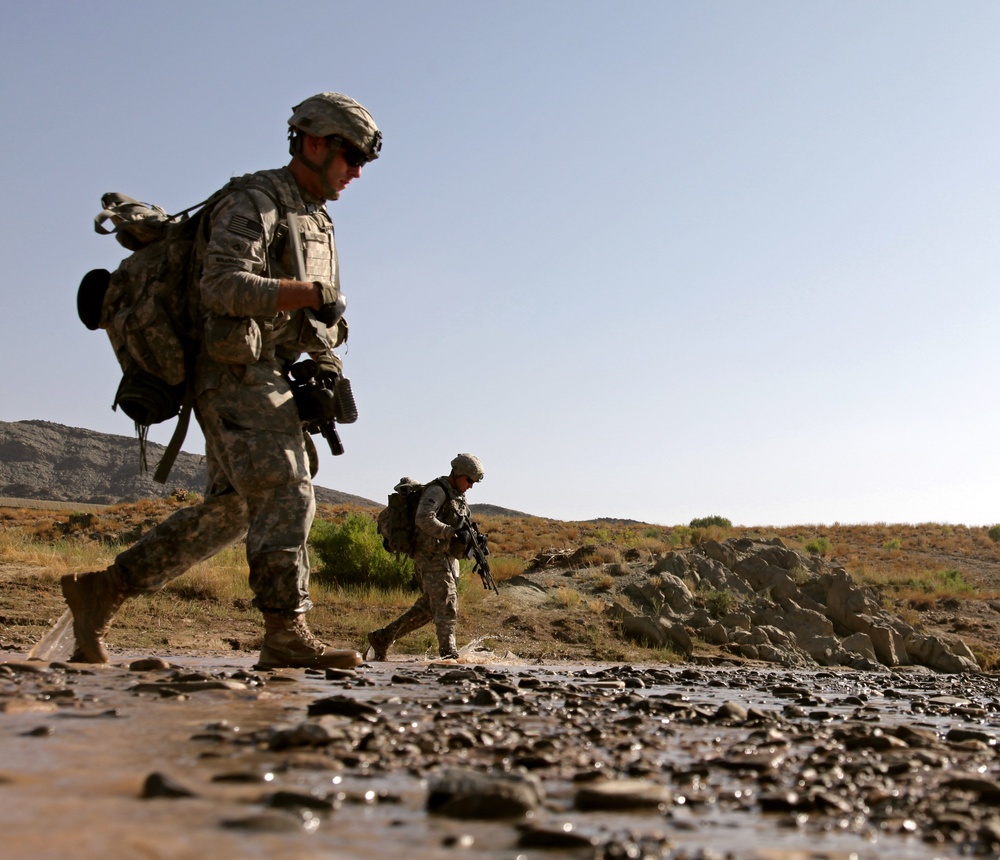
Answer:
x=469 y=466
x=327 y=114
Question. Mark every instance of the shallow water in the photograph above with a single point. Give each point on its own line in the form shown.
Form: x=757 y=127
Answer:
x=76 y=748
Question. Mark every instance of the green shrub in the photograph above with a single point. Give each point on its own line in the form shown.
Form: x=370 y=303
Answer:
x=705 y=522
x=718 y=602
x=994 y=533
x=818 y=546
x=351 y=553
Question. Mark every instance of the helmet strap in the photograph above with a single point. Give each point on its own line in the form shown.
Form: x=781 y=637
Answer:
x=335 y=141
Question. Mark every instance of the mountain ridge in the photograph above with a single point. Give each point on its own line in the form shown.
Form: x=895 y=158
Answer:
x=46 y=461
x=42 y=461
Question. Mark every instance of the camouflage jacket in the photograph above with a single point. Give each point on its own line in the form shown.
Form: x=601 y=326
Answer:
x=244 y=251
x=439 y=512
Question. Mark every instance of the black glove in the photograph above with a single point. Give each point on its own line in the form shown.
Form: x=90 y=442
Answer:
x=464 y=536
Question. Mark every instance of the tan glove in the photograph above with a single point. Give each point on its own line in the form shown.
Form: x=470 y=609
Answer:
x=333 y=303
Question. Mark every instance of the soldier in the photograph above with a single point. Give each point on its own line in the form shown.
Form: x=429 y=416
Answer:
x=441 y=542
x=256 y=313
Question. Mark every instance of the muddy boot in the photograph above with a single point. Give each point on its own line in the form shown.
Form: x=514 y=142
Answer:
x=379 y=642
x=93 y=598
x=448 y=647
x=290 y=644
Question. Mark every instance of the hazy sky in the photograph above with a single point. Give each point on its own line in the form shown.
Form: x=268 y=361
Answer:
x=657 y=260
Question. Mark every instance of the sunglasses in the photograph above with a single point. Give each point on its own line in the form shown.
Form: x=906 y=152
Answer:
x=352 y=155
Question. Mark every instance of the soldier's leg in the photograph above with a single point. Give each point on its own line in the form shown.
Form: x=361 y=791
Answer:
x=415 y=617
x=440 y=581
x=189 y=536
x=267 y=462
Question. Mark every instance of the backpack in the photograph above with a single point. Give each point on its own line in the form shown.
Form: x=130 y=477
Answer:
x=144 y=307
x=397 y=522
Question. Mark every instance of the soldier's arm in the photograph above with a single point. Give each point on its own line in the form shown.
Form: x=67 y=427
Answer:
x=427 y=521
x=233 y=281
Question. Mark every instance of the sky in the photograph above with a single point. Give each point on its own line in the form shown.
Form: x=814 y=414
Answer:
x=649 y=260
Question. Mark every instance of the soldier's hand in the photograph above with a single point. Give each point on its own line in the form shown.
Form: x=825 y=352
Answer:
x=328 y=293
x=464 y=536
x=329 y=368
x=333 y=303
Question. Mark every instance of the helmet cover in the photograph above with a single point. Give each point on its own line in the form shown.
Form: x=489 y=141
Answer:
x=469 y=466
x=327 y=114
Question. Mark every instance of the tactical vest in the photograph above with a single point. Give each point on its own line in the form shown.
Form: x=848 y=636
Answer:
x=455 y=509
x=232 y=340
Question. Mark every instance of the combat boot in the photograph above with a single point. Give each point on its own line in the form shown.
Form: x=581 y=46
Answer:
x=379 y=642
x=290 y=644
x=93 y=598
x=447 y=646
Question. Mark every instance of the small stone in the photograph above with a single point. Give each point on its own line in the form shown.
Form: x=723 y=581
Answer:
x=148 y=664
x=622 y=794
x=343 y=706
x=461 y=793
x=160 y=785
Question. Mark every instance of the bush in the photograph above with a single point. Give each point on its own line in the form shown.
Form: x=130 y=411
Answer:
x=706 y=522
x=994 y=533
x=351 y=554
x=719 y=603
x=818 y=546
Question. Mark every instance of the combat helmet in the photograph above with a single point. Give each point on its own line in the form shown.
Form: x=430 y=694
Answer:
x=334 y=114
x=469 y=466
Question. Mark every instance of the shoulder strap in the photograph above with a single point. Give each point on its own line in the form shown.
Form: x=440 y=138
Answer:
x=177 y=439
x=446 y=486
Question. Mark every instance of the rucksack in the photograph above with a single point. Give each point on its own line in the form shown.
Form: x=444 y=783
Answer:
x=397 y=522
x=144 y=307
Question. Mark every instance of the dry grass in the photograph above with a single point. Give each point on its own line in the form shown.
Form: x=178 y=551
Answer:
x=914 y=567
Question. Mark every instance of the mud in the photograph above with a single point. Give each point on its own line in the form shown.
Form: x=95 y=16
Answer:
x=488 y=758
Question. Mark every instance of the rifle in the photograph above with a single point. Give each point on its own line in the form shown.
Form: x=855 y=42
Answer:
x=478 y=550
x=316 y=400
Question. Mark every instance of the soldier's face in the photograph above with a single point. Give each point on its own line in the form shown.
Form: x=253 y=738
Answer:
x=335 y=177
x=340 y=173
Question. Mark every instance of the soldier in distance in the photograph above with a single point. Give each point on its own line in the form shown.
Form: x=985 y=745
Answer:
x=440 y=543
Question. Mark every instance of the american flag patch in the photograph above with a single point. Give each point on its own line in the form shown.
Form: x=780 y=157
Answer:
x=246 y=227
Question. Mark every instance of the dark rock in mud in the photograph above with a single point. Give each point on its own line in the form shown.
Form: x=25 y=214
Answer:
x=161 y=785
x=555 y=835
x=463 y=793
x=148 y=664
x=293 y=821
x=300 y=800
x=343 y=706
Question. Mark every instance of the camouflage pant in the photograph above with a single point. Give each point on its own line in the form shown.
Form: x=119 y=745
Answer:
x=258 y=486
x=437 y=573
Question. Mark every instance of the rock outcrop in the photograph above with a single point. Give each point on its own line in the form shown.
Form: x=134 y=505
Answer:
x=761 y=600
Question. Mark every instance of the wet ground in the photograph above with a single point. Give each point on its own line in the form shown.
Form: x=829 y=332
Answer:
x=205 y=757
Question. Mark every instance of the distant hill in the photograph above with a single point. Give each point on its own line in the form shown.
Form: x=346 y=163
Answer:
x=42 y=460
x=496 y=511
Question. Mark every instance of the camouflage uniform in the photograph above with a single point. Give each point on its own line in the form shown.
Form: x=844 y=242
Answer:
x=259 y=480
x=259 y=475
x=435 y=561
